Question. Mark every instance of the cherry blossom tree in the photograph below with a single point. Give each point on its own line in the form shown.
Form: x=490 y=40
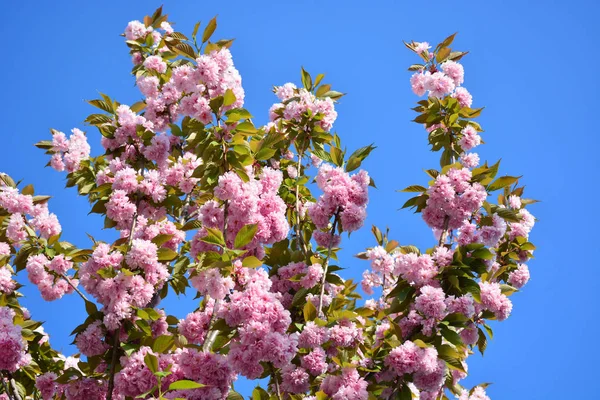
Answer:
x=251 y=219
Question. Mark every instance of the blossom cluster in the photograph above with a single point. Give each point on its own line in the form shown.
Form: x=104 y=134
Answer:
x=13 y=348
x=344 y=197
x=69 y=153
x=297 y=103
x=253 y=202
x=453 y=199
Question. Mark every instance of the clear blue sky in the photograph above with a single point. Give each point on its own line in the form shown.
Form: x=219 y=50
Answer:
x=532 y=64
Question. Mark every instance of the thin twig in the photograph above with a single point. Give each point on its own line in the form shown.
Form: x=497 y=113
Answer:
x=298 y=230
x=113 y=364
x=276 y=383
x=444 y=234
x=6 y=389
x=13 y=384
x=66 y=278
x=116 y=332
x=211 y=335
x=326 y=262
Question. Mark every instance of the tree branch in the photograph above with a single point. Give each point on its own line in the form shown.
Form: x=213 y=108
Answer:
x=326 y=262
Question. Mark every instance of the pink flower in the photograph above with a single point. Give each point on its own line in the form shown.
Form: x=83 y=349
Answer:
x=420 y=47
x=431 y=302
x=493 y=299
x=7 y=285
x=155 y=63
x=313 y=336
x=46 y=384
x=12 y=345
x=463 y=96
x=135 y=30
x=439 y=84
x=347 y=386
x=418 y=82
x=455 y=71
x=469 y=160
x=469 y=139
x=519 y=277
x=315 y=362
x=90 y=342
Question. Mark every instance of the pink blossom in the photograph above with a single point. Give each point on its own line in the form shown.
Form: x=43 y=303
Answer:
x=418 y=82
x=463 y=96
x=439 y=84
x=420 y=47
x=135 y=30
x=469 y=139
x=315 y=362
x=454 y=70
x=493 y=299
x=7 y=284
x=155 y=63
x=469 y=160
x=519 y=277
x=46 y=384
x=431 y=302
x=90 y=342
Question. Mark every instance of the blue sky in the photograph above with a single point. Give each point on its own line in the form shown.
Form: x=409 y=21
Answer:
x=531 y=64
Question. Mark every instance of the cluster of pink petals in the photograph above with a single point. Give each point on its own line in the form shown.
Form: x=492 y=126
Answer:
x=50 y=276
x=12 y=346
x=261 y=322
x=342 y=194
x=294 y=276
x=297 y=103
x=442 y=83
x=90 y=342
x=190 y=88
x=348 y=385
x=253 y=202
x=120 y=293
x=68 y=153
x=493 y=300
x=478 y=393
x=20 y=205
x=454 y=197
x=196 y=324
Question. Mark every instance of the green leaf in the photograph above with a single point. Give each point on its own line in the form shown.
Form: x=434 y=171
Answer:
x=165 y=254
x=357 y=157
x=163 y=343
x=209 y=30
x=101 y=104
x=229 y=98
x=482 y=253
x=306 y=80
x=508 y=215
x=195 y=31
x=185 y=384
x=442 y=54
x=245 y=235
x=502 y=182
x=405 y=393
x=260 y=394
x=414 y=188
x=481 y=341
x=90 y=307
x=151 y=362
x=265 y=153
x=161 y=239
x=214 y=236
x=310 y=311
x=251 y=262
x=28 y=190
x=233 y=395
